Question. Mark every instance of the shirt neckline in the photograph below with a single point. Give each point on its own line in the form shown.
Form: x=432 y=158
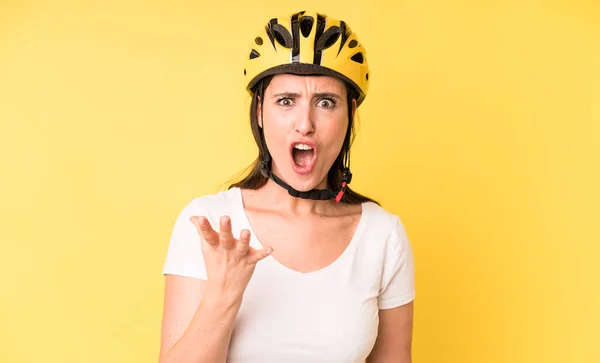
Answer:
x=364 y=217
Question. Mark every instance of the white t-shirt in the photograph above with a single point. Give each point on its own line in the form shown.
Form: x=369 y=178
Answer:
x=329 y=315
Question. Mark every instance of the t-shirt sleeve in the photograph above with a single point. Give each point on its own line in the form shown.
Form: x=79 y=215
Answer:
x=398 y=277
x=184 y=253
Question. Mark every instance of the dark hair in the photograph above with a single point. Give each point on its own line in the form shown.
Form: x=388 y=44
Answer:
x=254 y=179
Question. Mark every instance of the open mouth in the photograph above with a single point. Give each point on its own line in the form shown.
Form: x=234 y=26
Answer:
x=303 y=156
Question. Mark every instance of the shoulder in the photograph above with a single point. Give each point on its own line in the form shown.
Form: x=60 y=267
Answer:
x=218 y=203
x=382 y=220
x=384 y=230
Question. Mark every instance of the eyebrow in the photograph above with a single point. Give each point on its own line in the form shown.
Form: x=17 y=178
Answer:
x=297 y=95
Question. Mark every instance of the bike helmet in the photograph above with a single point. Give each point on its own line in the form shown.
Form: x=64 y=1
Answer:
x=308 y=43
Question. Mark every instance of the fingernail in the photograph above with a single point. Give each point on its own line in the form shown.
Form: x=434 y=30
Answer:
x=200 y=221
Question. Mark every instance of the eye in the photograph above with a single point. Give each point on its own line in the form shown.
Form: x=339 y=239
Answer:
x=327 y=103
x=285 y=102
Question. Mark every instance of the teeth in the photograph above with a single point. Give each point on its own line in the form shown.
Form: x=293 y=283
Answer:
x=302 y=147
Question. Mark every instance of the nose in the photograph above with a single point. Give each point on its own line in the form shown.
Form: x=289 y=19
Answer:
x=304 y=121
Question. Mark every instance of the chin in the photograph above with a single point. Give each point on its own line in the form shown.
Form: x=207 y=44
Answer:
x=304 y=183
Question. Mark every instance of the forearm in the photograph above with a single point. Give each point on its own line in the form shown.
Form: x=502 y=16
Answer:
x=206 y=340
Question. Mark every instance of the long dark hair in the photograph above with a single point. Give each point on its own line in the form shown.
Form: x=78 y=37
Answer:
x=254 y=179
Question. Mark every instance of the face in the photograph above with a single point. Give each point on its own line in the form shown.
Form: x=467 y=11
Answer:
x=305 y=122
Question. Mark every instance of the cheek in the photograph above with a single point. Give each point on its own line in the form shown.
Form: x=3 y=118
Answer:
x=335 y=137
x=277 y=122
x=276 y=136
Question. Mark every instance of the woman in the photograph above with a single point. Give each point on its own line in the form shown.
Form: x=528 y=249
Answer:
x=290 y=264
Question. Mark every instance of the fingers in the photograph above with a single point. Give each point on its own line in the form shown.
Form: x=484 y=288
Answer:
x=225 y=235
x=205 y=230
x=257 y=255
x=224 y=238
x=243 y=246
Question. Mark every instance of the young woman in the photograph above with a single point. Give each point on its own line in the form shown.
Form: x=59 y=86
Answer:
x=290 y=264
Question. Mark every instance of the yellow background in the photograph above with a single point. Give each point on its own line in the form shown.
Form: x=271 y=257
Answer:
x=481 y=130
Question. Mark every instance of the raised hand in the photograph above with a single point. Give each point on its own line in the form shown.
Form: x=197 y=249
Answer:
x=230 y=262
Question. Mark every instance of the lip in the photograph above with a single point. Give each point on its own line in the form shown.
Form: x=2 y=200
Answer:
x=311 y=164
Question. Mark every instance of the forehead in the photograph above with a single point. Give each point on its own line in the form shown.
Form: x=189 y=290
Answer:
x=298 y=83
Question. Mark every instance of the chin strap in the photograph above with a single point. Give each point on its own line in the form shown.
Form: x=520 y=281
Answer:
x=314 y=194
x=346 y=178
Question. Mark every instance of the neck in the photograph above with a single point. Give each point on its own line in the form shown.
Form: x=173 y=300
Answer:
x=279 y=198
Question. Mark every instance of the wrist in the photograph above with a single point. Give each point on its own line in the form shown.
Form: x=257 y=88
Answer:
x=217 y=295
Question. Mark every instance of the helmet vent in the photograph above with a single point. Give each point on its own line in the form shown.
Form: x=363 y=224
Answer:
x=353 y=43
x=306 y=25
x=282 y=35
x=254 y=54
x=358 y=58
x=258 y=41
x=328 y=38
